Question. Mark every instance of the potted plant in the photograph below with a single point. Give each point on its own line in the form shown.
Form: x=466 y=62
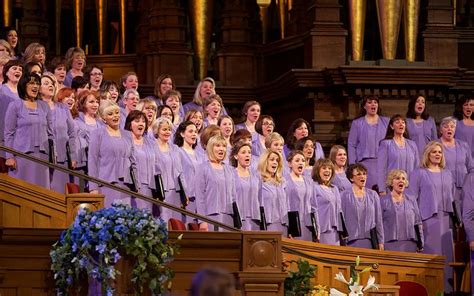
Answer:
x=91 y=247
x=298 y=282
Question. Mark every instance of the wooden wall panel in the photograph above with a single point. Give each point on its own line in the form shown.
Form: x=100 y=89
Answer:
x=392 y=266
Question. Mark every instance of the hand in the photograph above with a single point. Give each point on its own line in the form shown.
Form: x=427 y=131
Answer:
x=381 y=247
x=95 y=191
x=383 y=193
x=74 y=164
x=11 y=162
x=419 y=250
x=471 y=245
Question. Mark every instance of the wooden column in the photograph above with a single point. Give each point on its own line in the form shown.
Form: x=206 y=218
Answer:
x=236 y=53
x=163 y=47
x=326 y=46
x=439 y=37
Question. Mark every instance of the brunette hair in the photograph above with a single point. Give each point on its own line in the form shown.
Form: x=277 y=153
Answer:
x=178 y=138
x=24 y=80
x=333 y=153
x=458 y=113
x=7 y=67
x=390 y=131
x=235 y=150
x=70 y=56
x=290 y=138
x=365 y=99
x=355 y=166
x=323 y=162
x=160 y=109
x=134 y=114
x=208 y=132
x=157 y=90
x=259 y=123
x=411 y=107
x=239 y=136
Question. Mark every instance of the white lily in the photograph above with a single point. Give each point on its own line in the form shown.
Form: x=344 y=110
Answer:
x=334 y=292
x=356 y=290
x=340 y=277
x=371 y=283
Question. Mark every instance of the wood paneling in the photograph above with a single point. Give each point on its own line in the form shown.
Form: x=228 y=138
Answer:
x=392 y=266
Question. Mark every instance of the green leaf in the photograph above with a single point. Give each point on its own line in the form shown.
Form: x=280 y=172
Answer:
x=357 y=261
x=367 y=269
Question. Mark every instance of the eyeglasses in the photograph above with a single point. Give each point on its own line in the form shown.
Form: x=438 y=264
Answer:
x=97 y=74
x=268 y=124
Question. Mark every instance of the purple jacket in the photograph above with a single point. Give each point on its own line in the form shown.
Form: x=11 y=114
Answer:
x=299 y=198
x=275 y=202
x=6 y=96
x=327 y=203
x=83 y=137
x=110 y=158
x=64 y=132
x=214 y=189
x=318 y=151
x=422 y=133
x=390 y=157
x=399 y=220
x=145 y=156
x=426 y=192
x=168 y=164
x=468 y=206
x=459 y=161
x=465 y=133
x=246 y=195
x=364 y=139
x=362 y=215
x=25 y=128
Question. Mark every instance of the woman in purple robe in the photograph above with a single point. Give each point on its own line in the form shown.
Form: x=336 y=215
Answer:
x=172 y=98
x=338 y=156
x=251 y=112
x=420 y=125
x=326 y=202
x=186 y=139
x=75 y=62
x=148 y=106
x=433 y=187
x=264 y=126
x=212 y=106
x=64 y=131
x=272 y=194
x=226 y=124
x=168 y=164
x=214 y=188
x=464 y=113
x=130 y=101
x=111 y=155
x=247 y=185
x=361 y=208
x=396 y=151
x=11 y=73
x=299 y=129
x=204 y=89
x=86 y=122
x=400 y=216
x=299 y=191
x=468 y=215
x=367 y=130
x=457 y=155
x=306 y=145
x=145 y=156
x=28 y=129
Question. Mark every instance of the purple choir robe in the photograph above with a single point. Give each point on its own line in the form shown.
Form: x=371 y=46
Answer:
x=160 y=103
x=191 y=105
x=399 y=220
x=326 y=202
x=145 y=156
x=422 y=132
x=28 y=131
x=257 y=147
x=299 y=196
x=361 y=216
x=110 y=159
x=168 y=164
x=468 y=206
x=363 y=143
x=215 y=192
x=341 y=182
x=390 y=156
x=458 y=161
x=275 y=203
x=465 y=133
x=246 y=196
x=190 y=164
x=434 y=192
x=68 y=79
x=84 y=131
x=64 y=133
x=6 y=96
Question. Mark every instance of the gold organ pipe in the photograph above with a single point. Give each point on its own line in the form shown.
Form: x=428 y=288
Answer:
x=101 y=10
x=7 y=13
x=123 y=24
x=78 y=20
x=410 y=25
x=389 y=15
x=201 y=18
x=357 y=11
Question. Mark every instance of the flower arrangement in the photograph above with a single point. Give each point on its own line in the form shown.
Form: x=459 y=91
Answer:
x=298 y=283
x=353 y=284
x=97 y=240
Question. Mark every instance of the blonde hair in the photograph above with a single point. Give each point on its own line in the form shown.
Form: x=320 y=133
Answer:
x=30 y=52
x=395 y=174
x=213 y=141
x=106 y=106
x=147 y=102
x=4 y=58
x=272 y=138
x=197 y=94
x=70 y=56
x=262 y=167
x=425 y=160
x=155 y=127
x=8 y=47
